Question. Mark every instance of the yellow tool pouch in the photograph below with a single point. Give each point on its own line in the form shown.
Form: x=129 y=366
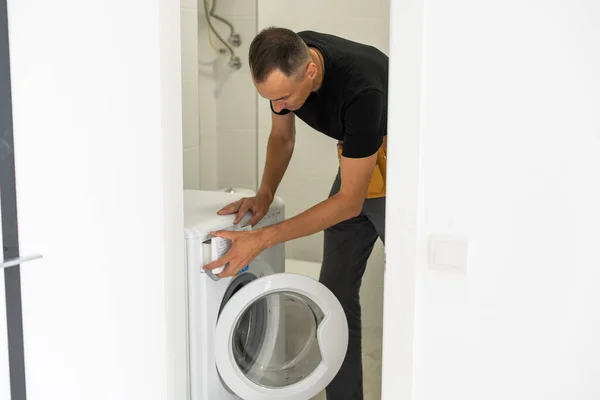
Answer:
x=377 y=185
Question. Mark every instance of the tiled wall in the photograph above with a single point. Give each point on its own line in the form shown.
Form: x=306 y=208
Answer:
x=227 y=101
x=189 y=70
x=219 y=103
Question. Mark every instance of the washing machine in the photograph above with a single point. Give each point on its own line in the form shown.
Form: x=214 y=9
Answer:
x=263 y=334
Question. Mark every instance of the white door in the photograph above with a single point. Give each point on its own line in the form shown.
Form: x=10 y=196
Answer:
x=302 y=346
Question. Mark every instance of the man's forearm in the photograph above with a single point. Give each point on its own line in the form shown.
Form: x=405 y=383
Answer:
x=279 y=154
x=317 y=218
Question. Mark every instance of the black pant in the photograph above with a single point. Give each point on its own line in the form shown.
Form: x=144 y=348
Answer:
x=347 y=247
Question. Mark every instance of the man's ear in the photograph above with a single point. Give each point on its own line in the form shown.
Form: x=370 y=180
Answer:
x=311 y=70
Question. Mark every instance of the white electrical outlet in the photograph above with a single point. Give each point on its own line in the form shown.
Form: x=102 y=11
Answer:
x=448 y=252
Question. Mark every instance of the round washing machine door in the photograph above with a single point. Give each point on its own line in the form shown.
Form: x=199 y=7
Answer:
x=303 y=340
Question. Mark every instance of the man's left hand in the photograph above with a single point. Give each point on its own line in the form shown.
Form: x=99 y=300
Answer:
x=245 y=246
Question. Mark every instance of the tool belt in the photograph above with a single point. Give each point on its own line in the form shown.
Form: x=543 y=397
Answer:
x=377 y=185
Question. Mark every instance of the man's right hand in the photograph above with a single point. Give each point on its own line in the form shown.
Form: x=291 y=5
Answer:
x=259 y=205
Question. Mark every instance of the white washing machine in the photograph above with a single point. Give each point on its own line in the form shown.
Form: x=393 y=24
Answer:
x=264 y=334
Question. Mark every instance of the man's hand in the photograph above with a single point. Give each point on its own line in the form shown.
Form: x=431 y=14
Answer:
x=259 y=205
x=245 y=246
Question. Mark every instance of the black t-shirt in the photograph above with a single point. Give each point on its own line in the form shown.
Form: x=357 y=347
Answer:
x=351 y=104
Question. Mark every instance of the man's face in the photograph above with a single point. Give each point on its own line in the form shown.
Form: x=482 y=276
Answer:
x=288 y=92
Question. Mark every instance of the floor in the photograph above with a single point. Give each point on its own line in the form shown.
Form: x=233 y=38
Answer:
x=371 y=365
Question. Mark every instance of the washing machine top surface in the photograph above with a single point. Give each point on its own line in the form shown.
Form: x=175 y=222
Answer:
x=201 y=206
x=200 y=211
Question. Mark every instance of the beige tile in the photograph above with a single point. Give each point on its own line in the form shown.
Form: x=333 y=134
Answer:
x=207 y=107
x=301 y=193
x=308 y=248
x=320 y=396
x=355 y=8
x=371 y=293
x=264 y=129
x=372 y=31
x=282 y=13
x=191 y=168
x=189 y=48
x=311 y=269
x=236 y=150
x=236 y=103
x=191 y=4
x=208 y=162
x=207 y=110
x=354 y=20
x=287 y=12
x=372 y=342
x=311 y=145
x=372 y=363
x=229 y=8
x=191 y=132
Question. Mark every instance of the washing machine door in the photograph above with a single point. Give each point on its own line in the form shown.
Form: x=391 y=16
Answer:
x=303 y=345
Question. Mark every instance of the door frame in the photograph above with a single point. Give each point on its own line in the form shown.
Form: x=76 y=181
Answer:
x=402 y=205
x=9 y=227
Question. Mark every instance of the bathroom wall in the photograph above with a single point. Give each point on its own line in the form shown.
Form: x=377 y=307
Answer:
x=190 y=95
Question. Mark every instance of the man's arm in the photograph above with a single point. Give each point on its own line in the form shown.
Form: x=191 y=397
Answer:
x=364 y=115
x=280 y=148
x=347 y=203
x=356 y=168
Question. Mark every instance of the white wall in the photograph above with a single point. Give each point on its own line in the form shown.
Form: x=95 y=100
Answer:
x=508 y=156
x=97 y=125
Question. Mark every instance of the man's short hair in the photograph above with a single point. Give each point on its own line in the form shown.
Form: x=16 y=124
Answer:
x=277 y=48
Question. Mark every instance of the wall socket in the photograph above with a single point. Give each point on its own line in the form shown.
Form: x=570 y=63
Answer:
x=448 y=252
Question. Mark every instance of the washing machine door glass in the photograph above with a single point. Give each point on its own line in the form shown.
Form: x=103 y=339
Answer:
x=302 y=343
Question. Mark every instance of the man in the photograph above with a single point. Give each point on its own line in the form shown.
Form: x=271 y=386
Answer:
x=339 y=88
